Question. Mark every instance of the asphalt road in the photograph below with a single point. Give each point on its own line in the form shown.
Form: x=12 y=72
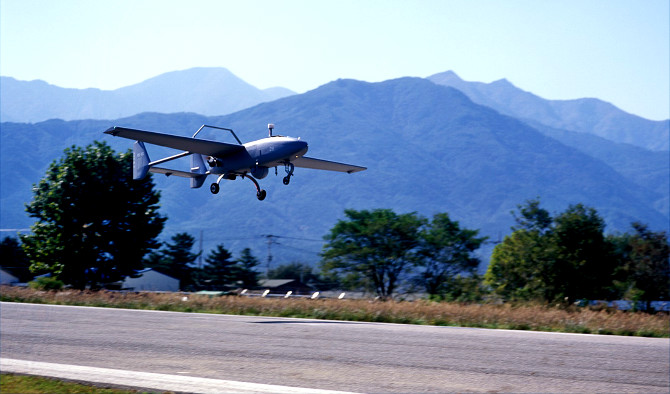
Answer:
x=333 y=355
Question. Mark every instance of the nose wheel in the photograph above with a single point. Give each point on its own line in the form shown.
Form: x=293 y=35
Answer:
x=288 y=167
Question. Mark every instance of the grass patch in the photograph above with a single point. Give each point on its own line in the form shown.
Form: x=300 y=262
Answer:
x=21 y=384
x=518 y=317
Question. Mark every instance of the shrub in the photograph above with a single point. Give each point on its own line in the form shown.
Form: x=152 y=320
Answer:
x=46 y=283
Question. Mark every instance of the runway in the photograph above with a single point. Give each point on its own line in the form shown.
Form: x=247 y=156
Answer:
x=331 y=355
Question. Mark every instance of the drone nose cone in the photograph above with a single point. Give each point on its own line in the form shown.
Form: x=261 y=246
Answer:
x=301 y=147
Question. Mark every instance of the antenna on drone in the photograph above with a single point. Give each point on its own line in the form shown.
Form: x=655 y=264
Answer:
x=271 y=126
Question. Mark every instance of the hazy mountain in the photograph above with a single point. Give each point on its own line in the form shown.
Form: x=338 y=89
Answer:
x=587 y=115
x=648 y=169
x=428 y=148
x=207 y=91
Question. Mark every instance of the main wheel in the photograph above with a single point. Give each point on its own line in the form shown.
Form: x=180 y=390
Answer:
x=287 y=179
x=261 y=195
x=214 y=188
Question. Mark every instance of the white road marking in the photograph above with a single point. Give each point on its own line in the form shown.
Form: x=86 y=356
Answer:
x=145 y=380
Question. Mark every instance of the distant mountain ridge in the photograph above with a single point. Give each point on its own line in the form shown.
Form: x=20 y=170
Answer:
x=216 y=91
x=206 y=91
x=428 y=148
x=587 y=115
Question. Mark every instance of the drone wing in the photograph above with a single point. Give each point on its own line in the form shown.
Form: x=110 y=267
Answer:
x=193 y=145
x=318 y=164
x=169 y=172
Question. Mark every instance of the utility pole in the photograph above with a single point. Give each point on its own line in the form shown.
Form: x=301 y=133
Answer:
x=271 y=239
x=200 y=257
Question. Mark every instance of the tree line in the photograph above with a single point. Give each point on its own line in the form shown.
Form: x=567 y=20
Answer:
x=561 y=258
x=95 y=226
x=220 y=270
x=568 y=257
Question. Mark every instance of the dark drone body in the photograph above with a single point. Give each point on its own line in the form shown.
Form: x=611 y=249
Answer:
x=227 y=161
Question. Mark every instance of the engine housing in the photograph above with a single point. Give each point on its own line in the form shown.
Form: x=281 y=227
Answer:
x=259 y=172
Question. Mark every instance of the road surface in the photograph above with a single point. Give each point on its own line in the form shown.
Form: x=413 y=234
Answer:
x=332 y=355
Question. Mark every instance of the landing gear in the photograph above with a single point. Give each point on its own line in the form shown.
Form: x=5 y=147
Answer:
x=214 y=188
x=288 y=167
x=260 y=193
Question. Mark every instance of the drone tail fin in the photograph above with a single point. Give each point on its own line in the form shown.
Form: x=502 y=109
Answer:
x=198 y=167
x=140 y=160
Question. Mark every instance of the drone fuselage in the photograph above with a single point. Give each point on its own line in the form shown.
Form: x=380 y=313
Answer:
x=266 y=152
x=227 y=161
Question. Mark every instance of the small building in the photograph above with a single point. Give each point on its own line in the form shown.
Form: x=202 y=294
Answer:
x=6 y=277
x=15 y=275
x=283 y=286
x=151 y=280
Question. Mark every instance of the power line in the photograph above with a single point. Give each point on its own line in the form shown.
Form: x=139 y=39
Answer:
x=301 y=239
x=300 y=249
x=238 y=238
x=271 y=239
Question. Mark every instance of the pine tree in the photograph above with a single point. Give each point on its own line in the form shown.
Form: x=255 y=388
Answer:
x=175 y=259
x=247 y=264
x=221 y=268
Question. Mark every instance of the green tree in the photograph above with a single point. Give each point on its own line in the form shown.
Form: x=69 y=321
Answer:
x=531 y=217
x=644 y=269
x=374 y=248
x=221 y=268
x=247 y=264
x=94 y=225
x=553 y=258
x=584 y=263
x=175 y=259
x=464 y=289
x=446 y=250
x=521 y=267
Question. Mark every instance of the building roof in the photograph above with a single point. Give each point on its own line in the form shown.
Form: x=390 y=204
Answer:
x=23 y=274
x=277 y=282
x=7 y=277
x=145 y=270
x=284 y=285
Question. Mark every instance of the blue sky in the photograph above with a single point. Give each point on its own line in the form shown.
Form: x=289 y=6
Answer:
x=615 y=50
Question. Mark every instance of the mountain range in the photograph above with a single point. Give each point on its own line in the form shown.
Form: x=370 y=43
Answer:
x=429 y=148
x=586 y=115
x=207 y=91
